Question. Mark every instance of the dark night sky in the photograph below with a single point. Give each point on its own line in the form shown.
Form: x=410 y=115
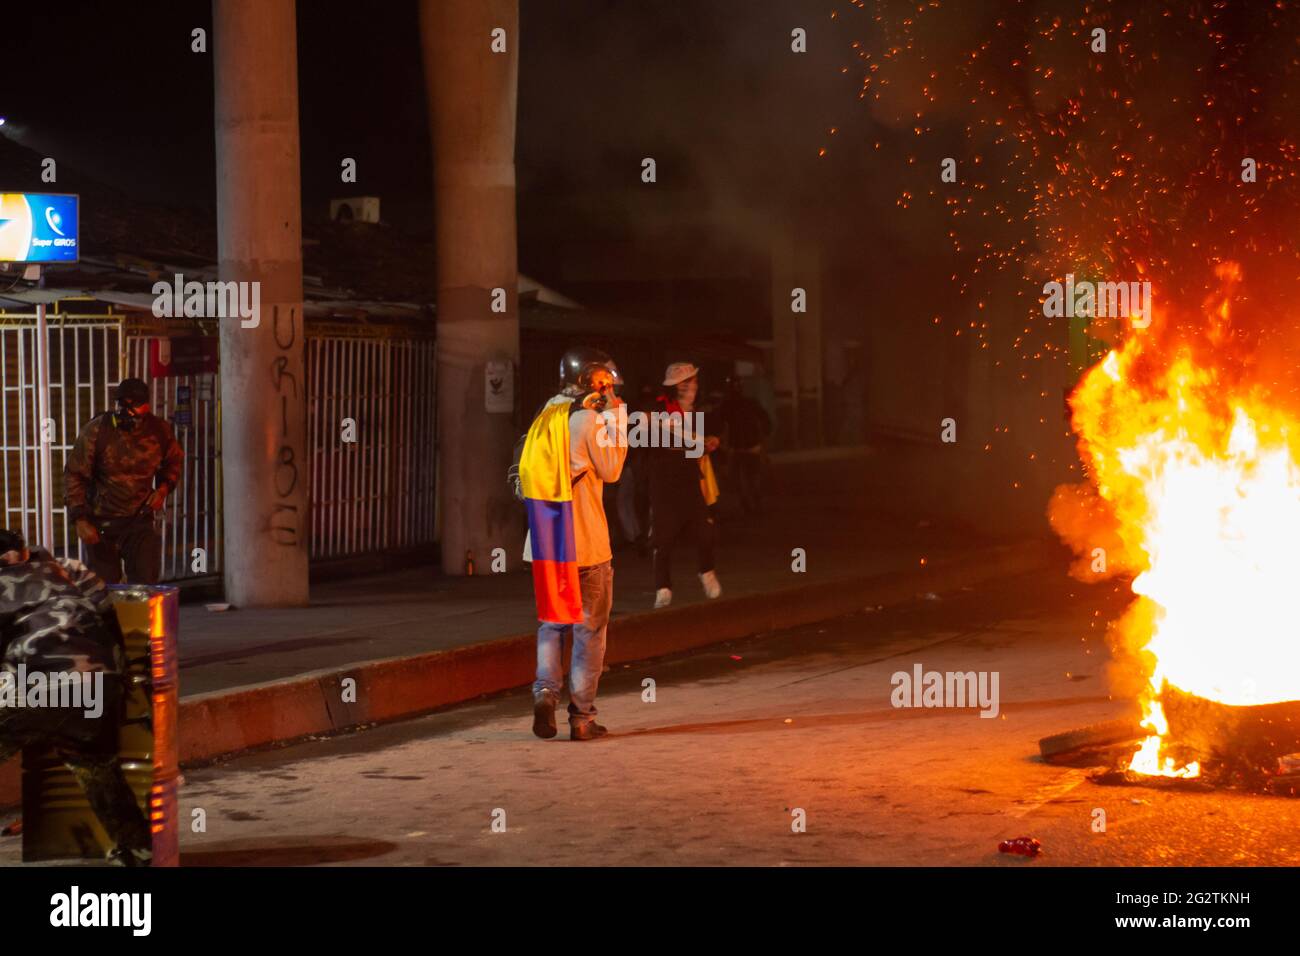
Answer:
x=602 y=82
x=735 y=120
x=129 y=101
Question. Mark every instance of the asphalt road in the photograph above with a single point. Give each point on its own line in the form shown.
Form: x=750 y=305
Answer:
x=738 y=739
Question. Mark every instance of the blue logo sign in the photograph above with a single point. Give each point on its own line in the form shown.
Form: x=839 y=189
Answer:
x=39 y=227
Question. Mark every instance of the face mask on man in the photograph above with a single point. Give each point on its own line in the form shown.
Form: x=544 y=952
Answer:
x=127 y=415
x=686 y=391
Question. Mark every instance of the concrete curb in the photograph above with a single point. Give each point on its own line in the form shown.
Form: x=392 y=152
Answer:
x=241 y=718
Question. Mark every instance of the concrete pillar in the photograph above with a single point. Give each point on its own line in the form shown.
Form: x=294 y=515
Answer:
x=785 y=348
x=472 y=99
x=259 y=238
x=808 y=340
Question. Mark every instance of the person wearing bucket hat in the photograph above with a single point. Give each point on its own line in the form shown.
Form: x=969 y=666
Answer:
x=122 y=467
x=682 y=486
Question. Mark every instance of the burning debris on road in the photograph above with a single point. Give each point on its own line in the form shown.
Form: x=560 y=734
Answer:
x=1253 y=748
x=1195 y=490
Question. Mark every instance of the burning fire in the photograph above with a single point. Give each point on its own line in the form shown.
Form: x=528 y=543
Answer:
x=1201 y=476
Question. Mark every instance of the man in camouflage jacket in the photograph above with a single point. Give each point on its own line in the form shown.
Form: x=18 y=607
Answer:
x=118 y=476
x=53 y=624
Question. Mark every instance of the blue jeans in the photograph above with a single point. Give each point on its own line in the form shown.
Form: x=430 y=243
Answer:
x=588 y=660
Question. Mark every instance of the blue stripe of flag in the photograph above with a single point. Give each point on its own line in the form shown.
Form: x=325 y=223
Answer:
x=551 y=523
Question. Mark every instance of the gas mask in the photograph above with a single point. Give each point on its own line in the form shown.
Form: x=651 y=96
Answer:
x=126 y=416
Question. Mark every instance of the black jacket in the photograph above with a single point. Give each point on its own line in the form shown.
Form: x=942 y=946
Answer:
x=674 y=476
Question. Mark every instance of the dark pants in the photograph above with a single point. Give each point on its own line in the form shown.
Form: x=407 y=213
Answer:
x=88 y=746
x=670 y=520
x=134 y=542
x=747 y=479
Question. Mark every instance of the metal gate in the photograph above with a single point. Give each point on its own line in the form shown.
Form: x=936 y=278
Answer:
x=370 y=420
x=372 y=482
x=85 y=361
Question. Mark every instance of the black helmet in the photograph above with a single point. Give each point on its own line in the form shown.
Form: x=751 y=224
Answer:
x=579 y=362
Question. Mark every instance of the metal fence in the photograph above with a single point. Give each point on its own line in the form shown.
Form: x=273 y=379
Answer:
x=84 y=361
x=371 y=405
x=375 y=491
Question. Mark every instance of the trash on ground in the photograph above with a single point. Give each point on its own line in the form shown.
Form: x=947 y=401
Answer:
x=1020 y=846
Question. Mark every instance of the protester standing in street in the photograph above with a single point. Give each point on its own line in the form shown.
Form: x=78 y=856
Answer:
x=121 y=469
x=682 y=486
x=575 y=444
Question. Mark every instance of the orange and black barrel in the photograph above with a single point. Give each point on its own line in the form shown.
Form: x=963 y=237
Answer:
x=58 y=822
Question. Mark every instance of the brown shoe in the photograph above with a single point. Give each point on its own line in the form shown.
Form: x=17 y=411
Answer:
x=587 y=730
x=544 y=714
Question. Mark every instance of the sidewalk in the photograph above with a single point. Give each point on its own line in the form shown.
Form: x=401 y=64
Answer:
x=419 y=610
x=415 y=640
x=843 y=532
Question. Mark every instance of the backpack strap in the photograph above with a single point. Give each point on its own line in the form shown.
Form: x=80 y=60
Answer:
x=101 y=438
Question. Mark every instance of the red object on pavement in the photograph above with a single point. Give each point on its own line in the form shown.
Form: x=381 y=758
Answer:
x=1020 y=846
x=13 y=829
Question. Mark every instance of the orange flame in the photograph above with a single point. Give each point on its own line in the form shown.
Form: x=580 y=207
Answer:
x=1198 y=477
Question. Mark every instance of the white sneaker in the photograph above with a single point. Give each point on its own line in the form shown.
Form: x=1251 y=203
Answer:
x=663 y=597
x=712 y=588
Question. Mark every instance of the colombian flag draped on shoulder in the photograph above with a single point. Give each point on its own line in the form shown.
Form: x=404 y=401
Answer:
x=548 y=495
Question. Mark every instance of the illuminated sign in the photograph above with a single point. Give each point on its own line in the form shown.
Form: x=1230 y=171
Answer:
x=39 y=227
